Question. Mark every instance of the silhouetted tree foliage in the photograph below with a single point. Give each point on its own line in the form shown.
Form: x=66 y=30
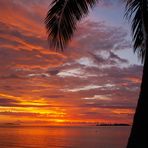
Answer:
x=62 y=18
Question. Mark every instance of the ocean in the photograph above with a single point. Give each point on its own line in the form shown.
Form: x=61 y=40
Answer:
x=64 y=137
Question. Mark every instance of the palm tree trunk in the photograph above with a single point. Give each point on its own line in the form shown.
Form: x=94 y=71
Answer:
x=139 y=132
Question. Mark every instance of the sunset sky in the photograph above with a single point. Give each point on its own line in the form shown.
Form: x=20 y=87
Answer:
x=95 y=79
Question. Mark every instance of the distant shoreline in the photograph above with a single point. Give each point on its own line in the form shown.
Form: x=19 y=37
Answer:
x=66 y=125
x=114 y=124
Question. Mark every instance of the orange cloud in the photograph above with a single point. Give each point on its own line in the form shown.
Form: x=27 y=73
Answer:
x=86 y=84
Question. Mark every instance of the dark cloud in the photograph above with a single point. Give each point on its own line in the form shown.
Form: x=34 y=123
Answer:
x=116 y=57
x=11 y=76
x=120 y=106
x=8 y=102
x=19 y=114
x=53 y=96
x=53 y=72
x=98 y=58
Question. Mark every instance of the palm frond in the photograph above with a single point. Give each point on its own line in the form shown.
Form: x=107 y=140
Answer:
x=134 y=11
x=62 y=18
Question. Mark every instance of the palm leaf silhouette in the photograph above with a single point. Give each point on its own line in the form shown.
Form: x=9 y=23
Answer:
x=62 y=18
x=134 y=9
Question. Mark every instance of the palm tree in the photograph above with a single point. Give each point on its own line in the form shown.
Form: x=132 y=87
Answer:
x=138 y=10
x=61 y=23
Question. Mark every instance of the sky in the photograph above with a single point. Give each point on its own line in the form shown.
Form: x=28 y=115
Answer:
x=96 y=79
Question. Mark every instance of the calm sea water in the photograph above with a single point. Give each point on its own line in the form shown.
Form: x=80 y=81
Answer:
x=63 y=137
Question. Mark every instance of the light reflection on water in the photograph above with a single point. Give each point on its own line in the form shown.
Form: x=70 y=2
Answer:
x=63 y=137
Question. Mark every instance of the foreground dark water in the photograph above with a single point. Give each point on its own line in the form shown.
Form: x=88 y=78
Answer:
x=64 y=137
